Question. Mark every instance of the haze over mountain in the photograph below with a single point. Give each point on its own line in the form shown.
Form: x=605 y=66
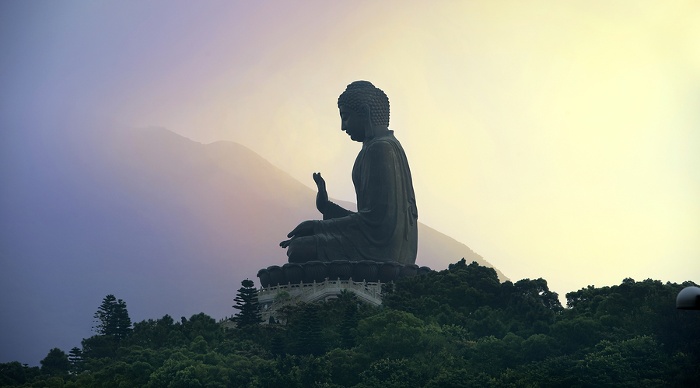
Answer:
x=169 y=225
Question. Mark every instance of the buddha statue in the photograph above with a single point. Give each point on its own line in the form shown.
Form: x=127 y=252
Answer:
x=384 y=228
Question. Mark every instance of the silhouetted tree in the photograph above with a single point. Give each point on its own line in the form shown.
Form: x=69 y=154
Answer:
x=247 y=304
x=75 y=358
x=15 y=374
x=98 y=346
x=55 y=363
x=310 y=340
x=112 y=318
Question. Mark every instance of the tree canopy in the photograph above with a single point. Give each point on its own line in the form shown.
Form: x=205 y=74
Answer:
x=454 y=328
x=247 y=305
x=112 y=318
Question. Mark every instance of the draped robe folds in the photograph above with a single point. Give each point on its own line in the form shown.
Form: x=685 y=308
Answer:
x=385 y=226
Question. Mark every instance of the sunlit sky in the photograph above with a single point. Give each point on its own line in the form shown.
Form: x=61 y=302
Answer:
x=558 y=139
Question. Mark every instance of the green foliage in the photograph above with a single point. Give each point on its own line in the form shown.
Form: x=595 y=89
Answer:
x=309 y=336
x=391 y=373
x=156 y=334
x=247 y=304
x=112 y=318
x=55 y=363
x=75 y=358
x=471 y=296
x=455 y=328
x=14 y=374
x=391 y=333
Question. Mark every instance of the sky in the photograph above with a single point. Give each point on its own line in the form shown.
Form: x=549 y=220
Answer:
x=556 y=139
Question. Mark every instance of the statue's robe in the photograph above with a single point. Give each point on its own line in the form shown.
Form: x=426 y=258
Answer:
x=385 y=226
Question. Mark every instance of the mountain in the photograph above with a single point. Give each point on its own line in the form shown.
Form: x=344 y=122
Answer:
x=170 y=225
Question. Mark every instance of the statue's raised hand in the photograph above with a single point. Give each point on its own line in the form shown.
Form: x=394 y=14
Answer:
x=322 y=196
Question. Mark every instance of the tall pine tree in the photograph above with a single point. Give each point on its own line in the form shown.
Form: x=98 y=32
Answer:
x=112 y=318
x=75 y=358
x=247 y=304
x=310 y=340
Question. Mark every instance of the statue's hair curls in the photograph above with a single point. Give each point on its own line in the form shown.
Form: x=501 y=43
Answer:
x=361 y=93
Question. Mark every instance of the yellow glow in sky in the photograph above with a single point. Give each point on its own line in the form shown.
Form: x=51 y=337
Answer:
x=556 y=139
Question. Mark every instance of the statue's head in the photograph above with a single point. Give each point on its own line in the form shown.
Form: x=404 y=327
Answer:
x=362 y=98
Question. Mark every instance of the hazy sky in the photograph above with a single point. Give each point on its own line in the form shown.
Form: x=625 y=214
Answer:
x=557 y=139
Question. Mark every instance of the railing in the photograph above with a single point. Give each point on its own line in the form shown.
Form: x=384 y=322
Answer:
x=369 y=292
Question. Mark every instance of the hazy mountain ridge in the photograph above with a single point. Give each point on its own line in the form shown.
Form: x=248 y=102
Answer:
x=168 y=224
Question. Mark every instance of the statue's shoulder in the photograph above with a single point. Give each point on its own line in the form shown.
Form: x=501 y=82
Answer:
x=388 y=140
x=381 y=146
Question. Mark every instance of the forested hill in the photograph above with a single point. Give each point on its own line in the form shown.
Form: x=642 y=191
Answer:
x=455 y=328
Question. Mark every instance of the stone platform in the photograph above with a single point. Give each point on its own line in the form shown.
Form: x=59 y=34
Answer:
x=317 y=281
x=318 y=271
x=273 y=298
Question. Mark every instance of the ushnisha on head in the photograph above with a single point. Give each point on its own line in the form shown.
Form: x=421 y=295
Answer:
x=361 y=93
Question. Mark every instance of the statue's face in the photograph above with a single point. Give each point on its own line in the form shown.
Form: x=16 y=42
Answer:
x=352 y=124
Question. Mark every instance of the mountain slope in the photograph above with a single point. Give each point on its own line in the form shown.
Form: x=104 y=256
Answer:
x=167 y=224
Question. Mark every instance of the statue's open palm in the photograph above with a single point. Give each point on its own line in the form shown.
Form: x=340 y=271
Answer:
x=322 y=196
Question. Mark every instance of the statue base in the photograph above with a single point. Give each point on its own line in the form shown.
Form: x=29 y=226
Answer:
x=317 y=281
x=319 y=271
x=272 y=299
